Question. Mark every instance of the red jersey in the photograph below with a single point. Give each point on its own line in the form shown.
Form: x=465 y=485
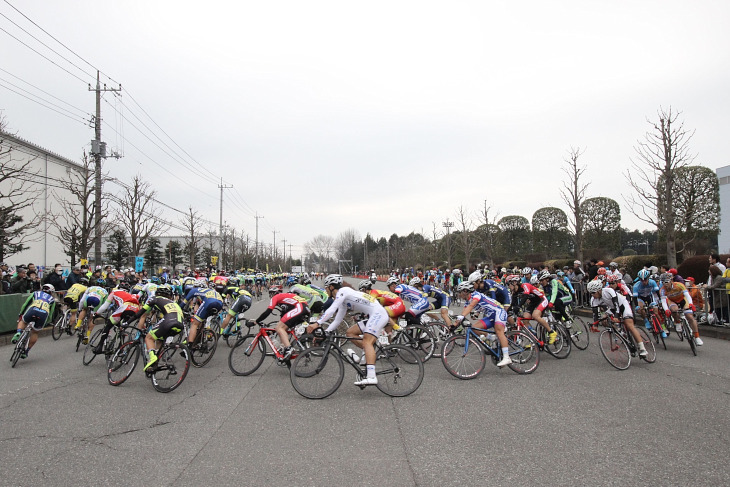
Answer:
x=286 y=301
x=385 y=298
x=121 y=296
x=530 y=289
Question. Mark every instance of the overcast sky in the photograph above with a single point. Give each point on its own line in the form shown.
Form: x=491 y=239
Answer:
x=378 y=116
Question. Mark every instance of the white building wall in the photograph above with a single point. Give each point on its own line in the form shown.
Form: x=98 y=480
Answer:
x=723 y=240
x=44 y=170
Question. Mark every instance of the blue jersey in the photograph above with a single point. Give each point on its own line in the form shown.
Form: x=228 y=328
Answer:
x=648 y=291
x=497 y=292
x=409 y=293
x=442 y=299
x=493 y=312
x=203 y=293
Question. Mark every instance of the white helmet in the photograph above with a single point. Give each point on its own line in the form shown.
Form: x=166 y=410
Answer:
x=534 y=280
x=475 y=276
x=414 y=281
x=527 y=271
x=365 y=285
x=594 y=286
x=48 y=288
x=465 y=286
x=333 y=280
x=392 y=280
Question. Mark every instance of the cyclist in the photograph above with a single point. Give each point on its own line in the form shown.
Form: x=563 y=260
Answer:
x=345 y=298
x=123 y=306
x=523 y=292
x=170 y=324
x=615 y=304
x=417 y=298
x=559 y=298
x=646 y=292
x=566 y=282
x=293 y=311
x=208 y=302
x=90 y=302
x=442 y=301
x=493 y=316
x=73 y=295
x=394 y=305
x=677 y=294
x=498 y=292
x=241 y=305
x=315 y=299
x=36 y=311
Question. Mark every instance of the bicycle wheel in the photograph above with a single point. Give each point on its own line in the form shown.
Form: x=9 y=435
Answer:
x=561 y=348
x=171 y=368
x=205 y=349
x=247 y=355
x=57 y=329
x=460 y=361
x=19 y=348
x=614 y=349
x=656 y=329
x=315 y=375
x=399 y=370
x=89 y=354
x=648 y=344
x=579 y=333
x=440 y=333
x=524 y=352
x=419 y=339
x=687 y=331
x=123 y=362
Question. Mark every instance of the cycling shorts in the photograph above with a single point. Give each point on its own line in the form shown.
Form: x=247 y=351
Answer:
x=35 y=317
x=91 y=302
x=242 y=304
x=375 y=323
x=536 y=303
x=420 y=307
x=72 y=303
x=209 y=307
x=683 y=305
x=165 y=328
x=396 y=309
x=442 y=300
x=296 y=315
x=124 y=312
x=493 y=316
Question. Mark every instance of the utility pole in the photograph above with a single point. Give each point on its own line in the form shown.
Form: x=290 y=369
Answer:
x=284 y=257
x=274 y=231
x=98 y=150
x=290 y=246
x=447 y=224
x=220 y=231
x=257 y=239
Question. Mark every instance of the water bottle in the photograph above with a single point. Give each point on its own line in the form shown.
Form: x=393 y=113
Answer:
x=491 y=340
x=353 y=355
x=275 y=340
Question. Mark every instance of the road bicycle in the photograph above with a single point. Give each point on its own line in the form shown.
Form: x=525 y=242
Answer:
x=658 y=328
x=63 y=324
x=319 y=371
x=166 y=374
x=21 y=345
x=439 y=330
x=559 y=349
x=618 y=346
x=115 y=339
x=249 y=351
x=81 y=332
x=686 y=332
x=205 y=344
x=464 y=354
x=577 y=328
x=417 y=337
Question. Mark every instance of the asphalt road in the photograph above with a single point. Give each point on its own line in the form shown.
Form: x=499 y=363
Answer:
x=573 y=422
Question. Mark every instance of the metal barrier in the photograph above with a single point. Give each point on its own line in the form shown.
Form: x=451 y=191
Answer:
x=582 y=298
x=716 y=310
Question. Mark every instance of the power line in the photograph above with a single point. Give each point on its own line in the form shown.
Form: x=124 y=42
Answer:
x=43 y=91
x=72 y=117
x=43 y=100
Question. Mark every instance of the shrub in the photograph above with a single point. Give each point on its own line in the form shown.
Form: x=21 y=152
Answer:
x=698 y=267
x=627 y=252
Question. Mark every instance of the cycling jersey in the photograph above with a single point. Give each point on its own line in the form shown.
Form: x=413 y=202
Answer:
x=493 y=312
x=677 y=294
x=172 y=317
x=615 y=304
x=349 y=299
x=393 y=305
x=38 y=309
x=497 y=292
x=75 y=292
x=313 y=297
x=243 y=302
x=442 y=299
x=93 y=297
x=210 y=302
x=419 y=300
x=293 y=309
x=117 y=298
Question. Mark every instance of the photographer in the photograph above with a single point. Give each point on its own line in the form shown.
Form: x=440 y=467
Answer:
x=21 y=283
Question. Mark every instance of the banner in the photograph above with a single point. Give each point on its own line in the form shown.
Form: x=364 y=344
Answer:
x=138 y=264
x=214 y=259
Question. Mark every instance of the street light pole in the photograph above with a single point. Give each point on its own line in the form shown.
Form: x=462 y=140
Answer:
x=447 y=224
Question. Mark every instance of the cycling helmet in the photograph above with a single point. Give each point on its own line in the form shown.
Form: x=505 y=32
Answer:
x=416 y=280
x=666 y=277
x=534 y=280
x=465 y=286
x=613 y=264
x=164 y=290
x=365 y=285
x=123 y=285
x=101 y=282
x=560 y=273
x=602 y=271
x=84 y=280
x=613 y=279
x=643 y=274
x=475 y=276
x=543 y=275
x=175 y=282
x=333 y=280
x=594 y=286
x=304 y=280
x=527 y=271
x=201 y=283
x=155 y=280
x=48 y=288
x=457 y=271
x=513 y=278
x=491 y=274
x=274 y=290
x=392 y=280
x=373 y=279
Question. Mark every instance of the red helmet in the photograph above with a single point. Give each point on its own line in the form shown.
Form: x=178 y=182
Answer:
x=602 y=271
x=612 y=278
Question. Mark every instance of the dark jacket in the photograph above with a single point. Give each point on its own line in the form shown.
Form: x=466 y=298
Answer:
x=20 y=286
x=55 y=280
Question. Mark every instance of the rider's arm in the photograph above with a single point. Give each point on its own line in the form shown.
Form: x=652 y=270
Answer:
x=106 y=305
x=687 y=297
x=664 y=300
x=553 y=292
x=24 y=308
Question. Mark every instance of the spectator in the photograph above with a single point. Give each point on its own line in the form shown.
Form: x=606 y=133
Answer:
x=626 y=276
x=20 y=284
x=4 y=268
x=578 y=272
x=35 y=282
x=5 y=284
x=714 y=260
x=74 y=277
x=592 y=269
x=717 y=292
x=55 y=278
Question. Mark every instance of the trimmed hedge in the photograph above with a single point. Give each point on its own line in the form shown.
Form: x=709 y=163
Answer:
x=698 y=267
x=634 y=263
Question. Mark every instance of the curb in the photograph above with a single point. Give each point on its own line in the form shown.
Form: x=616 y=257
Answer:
x=6 y=337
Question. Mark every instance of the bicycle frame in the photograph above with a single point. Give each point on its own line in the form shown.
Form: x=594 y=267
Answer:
x=469 y=333
x=332 y=341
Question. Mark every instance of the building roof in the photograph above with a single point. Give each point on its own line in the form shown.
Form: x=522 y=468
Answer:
x=21 y=141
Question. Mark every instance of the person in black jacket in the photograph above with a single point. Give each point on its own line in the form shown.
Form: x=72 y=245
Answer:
x=55 y=278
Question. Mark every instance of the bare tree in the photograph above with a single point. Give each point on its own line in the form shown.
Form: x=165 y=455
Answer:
x=74 y=223
x=17 y=193
x=653 y=176
x=192 y=222
x=466 y=239
x=489 y=231
x=138 y=214
x=322 y=246
x=345 y=243
x=573 y=193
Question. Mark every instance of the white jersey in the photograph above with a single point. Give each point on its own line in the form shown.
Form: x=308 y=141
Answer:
x=614 y=302
x=348 y=299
